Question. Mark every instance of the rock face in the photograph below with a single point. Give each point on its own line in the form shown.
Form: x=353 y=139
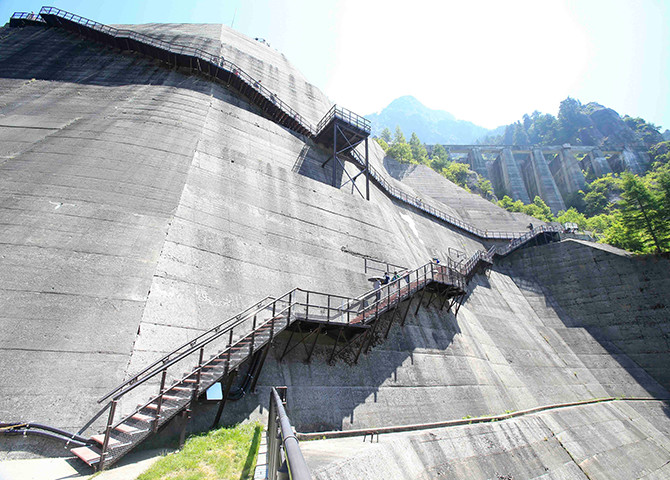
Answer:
x=607 y=128
x=142 y=205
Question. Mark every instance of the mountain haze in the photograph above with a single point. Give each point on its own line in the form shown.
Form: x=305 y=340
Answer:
x=432 y=126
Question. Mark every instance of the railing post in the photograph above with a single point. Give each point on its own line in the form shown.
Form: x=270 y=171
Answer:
x=272 y=321
x=290 y=303
x=160 y=401
x=307 y=307
x=253 y=337
x=108 y=431
x=328 y=310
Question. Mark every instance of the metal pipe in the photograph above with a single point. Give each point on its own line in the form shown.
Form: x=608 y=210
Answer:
x=296 y=462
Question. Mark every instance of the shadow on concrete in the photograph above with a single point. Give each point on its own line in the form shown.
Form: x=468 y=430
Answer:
x=643 y=378
x=53 y=54
x=349 y=385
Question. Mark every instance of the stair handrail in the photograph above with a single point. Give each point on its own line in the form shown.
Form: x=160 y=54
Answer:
x=348 y=116
x=278 y=422
x=353 y=305
x=35 y=17
x=177 y=48
x=418 y=203
x=345 y=114
x=163 y=360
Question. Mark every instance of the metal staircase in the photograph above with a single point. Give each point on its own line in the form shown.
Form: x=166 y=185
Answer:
x=217 y=355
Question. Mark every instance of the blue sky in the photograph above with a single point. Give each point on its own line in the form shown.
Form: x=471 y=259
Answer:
x=484 y=61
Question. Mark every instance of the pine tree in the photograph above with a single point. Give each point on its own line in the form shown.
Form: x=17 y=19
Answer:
x=399 y=136
x=386 y=135
x=419 y=152
x=642 y=211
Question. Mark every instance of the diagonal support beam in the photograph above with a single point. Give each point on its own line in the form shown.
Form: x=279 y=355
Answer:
x=224 y=396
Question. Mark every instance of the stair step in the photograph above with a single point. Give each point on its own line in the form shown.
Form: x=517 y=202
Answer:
x=154 y=406
x=143 y=418
x=89 y=455
x=113 y=442
x=181 y=389
x=172 y=398
x=128 y=430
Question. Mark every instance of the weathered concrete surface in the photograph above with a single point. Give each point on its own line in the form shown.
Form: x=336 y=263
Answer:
x=454 y=200
x=507 y=350
x=567 y=173
x=509 y=179
x=602 y=441
x=543 y=181
x=620 y=299
x=142 y=205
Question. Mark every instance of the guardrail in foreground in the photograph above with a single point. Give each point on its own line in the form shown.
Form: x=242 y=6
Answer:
x=281 y=434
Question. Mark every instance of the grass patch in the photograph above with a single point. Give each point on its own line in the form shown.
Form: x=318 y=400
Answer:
x=223 y=454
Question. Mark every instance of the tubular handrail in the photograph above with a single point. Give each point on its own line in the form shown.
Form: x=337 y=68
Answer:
x=353 y=305
x=342 y=113
x=192 y=343
x=348 y=116
x=177 y=48
x=35 y=17
x=297 y=467
x=418 y=203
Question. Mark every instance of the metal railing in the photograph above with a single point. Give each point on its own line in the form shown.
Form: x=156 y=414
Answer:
x=214 y=61
x=223 y=348
x=346 y=115
x=35 y=17
x=372 y=265
x=280 y=434
x=418 y=203
x=217 y=61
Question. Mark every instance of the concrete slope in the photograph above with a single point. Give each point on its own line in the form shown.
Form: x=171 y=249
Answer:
x=259 y=60
x=601 y=441
x=470 y=207
x=620 y=299
x=501 y=353
x=142 y=205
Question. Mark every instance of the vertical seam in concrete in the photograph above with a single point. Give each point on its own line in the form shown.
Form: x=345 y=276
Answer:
x=168 y=228
x=574 y=460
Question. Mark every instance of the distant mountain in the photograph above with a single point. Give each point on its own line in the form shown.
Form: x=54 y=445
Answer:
x=432 y=126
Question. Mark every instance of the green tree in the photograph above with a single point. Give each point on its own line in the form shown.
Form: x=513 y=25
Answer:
x=510 y=205
x=457 y=173
x=386 y=135
x=401 y=152
x=382 y=143
x=539 y=210
x=439 y=158
x=399 y=136
x=484 y=187
x=600 y=193
x=573 y=216
x=419 y=152
x=642 y=212
x=620 y=235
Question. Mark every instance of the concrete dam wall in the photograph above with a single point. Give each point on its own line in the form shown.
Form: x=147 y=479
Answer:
x=141 y=205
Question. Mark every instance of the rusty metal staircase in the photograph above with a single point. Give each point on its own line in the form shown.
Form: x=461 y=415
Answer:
x=221 y=351
x=217 y=354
